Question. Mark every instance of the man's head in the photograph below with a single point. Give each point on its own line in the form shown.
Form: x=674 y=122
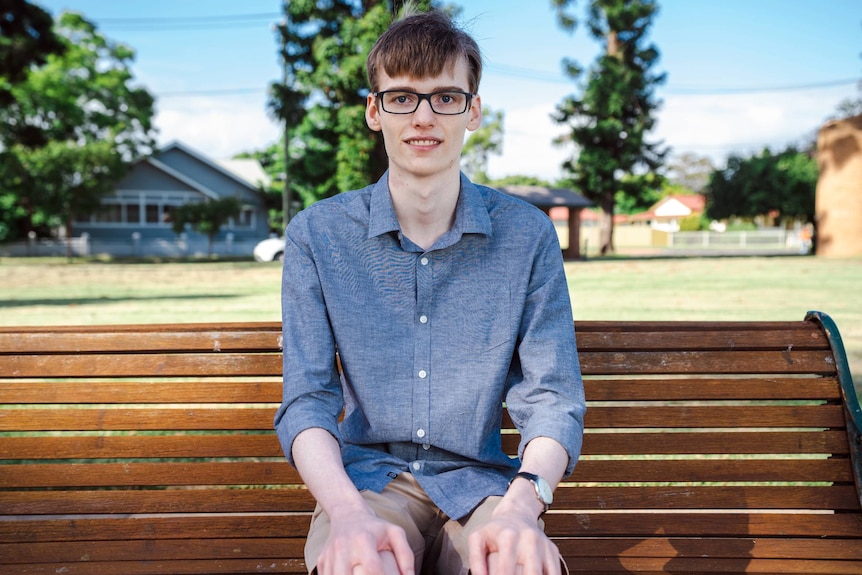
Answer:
x=423 y=46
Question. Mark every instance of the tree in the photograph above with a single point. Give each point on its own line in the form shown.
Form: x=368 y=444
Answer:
x=26 y=39
x=205 y=217
x=690 y=171
x=71 y=130
x=610 y=120
x=782 y=184
x=324 y=46
x=486 y=140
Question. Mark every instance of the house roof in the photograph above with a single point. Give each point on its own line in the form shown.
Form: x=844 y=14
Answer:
x=212 y=164
x=547 y=197
x=248 y=169
x=679 y=205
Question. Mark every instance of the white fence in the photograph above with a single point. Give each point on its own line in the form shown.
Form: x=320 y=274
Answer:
x=772 y=239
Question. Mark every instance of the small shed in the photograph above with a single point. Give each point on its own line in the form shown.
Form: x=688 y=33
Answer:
x=838 y=206
x=547 y=198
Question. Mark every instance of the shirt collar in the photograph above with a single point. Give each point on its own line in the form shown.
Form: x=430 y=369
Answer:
x=471 y=212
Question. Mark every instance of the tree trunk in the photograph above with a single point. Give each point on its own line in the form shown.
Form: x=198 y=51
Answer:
x=606 y=235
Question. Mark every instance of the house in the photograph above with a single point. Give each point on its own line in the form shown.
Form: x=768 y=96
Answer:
x=553 y=201
x=136 y=219
x=667 y=214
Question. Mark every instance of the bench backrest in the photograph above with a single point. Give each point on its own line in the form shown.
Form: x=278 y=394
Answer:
x=157 y=443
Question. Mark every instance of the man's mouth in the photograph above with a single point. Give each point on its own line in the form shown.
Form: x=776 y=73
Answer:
x=422 y=142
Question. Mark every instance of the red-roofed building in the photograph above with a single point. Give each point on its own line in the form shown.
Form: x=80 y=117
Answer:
x=667 y=213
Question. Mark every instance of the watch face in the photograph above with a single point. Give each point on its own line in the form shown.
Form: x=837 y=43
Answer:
x=544 y=491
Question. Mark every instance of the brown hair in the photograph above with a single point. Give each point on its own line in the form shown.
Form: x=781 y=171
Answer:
x=423 y=45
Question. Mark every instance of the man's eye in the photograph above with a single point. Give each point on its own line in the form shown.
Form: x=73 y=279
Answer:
x=403 y=98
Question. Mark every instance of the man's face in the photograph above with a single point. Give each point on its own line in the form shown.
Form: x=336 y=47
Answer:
x=424 y=144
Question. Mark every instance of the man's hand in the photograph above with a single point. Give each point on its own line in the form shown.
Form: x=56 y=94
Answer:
x=361 y=543
x=512 y=544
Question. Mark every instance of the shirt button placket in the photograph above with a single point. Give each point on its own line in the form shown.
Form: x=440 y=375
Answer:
x=422 y=351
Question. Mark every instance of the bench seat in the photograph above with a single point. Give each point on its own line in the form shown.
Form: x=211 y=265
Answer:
x=711 y=447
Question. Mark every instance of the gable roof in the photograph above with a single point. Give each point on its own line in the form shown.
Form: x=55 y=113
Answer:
x=175 y=145
x=679 y=205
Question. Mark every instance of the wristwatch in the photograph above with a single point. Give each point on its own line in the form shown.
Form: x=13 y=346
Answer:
x=543 y=490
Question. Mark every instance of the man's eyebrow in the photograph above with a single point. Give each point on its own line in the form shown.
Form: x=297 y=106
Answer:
x=435 y=90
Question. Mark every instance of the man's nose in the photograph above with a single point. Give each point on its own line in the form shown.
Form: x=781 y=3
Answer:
x=423 y=112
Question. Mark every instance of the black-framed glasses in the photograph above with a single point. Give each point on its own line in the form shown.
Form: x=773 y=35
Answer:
x=446 y=103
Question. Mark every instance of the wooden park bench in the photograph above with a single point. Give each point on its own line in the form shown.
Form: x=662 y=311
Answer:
x=712 y=447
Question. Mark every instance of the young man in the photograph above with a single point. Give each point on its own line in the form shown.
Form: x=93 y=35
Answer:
x=443 y=300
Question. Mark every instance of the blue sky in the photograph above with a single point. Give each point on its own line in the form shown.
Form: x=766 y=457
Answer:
x=742 y=74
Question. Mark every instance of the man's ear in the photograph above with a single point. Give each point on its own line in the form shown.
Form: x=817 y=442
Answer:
x=475 y=112
x=372 y=113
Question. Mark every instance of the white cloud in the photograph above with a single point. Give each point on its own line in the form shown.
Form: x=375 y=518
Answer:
x=218 y=127
x=527 y=145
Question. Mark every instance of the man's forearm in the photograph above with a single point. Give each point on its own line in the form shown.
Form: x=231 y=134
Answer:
x=544 y=457
x=318 y=459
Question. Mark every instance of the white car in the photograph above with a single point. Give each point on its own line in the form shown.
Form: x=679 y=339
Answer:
x=269 y=250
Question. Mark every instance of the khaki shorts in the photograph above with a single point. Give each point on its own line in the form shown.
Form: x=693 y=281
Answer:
x=439 y=544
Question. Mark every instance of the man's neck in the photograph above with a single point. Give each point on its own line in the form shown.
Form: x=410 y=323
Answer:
x=425 y=207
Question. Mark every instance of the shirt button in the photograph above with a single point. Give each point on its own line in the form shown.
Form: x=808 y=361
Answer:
x=424 y=261
x=421 y=433
x=417 y=466
x=423 y=319
x=423 y=374
x=426 y=446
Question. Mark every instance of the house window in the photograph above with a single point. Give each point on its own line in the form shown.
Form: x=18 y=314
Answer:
x=133 y=213
x=245 y=219
x=152 y=214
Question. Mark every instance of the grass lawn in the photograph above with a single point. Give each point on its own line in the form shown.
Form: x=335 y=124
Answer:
x=46 y=292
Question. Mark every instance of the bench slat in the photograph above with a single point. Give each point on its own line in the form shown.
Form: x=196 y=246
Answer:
x=835 y=497
x=201 y=500
x=219 y=526
x=236 y=364
x=280 y=472
x=712 y=470
x=267 y=445
x=289 y=499
x=207 y=566
x=148 y=474
x=650 y=523
x=704 y=566
x=726 y=389
x=252 y=418
x=739 y=338
x=153 y=419
x=141 y=338
x=237 y=391
x=159 y=550
x=726 y=547
x=706 y=362
x=142 y=365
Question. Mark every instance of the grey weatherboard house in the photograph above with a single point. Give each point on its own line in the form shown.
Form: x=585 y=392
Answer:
x=135 y=220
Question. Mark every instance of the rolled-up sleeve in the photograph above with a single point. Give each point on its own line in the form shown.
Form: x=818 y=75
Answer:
x=545 y=396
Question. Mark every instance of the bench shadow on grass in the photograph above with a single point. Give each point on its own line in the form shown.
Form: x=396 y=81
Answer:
x=16 y=303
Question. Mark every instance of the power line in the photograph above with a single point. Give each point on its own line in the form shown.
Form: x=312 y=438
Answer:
x=180 y=22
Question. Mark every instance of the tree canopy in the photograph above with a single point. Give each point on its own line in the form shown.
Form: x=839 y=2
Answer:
x=70 y=130
x=610 y=120
x=782 y=184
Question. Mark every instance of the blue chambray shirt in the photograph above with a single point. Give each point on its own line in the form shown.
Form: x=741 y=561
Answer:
x=431 y=342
